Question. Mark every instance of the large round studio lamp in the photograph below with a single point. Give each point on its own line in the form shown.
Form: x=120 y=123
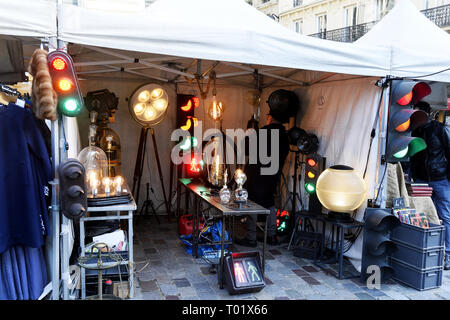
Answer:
x=148 y=106
x=341 y=190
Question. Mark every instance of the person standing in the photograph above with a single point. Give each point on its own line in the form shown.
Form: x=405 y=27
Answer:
x=262 y=188
x=432 y=166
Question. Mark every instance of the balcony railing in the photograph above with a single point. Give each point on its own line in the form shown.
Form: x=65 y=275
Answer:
x=347 y=34
x=439 y=15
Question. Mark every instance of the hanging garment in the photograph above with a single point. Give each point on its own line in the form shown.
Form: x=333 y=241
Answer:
x=23 y=273
x=24 y=172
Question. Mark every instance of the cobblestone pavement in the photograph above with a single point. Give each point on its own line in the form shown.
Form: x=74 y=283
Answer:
x=165 y=271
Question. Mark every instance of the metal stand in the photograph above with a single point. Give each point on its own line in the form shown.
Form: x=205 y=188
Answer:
x=148 y=203
x=138 y=169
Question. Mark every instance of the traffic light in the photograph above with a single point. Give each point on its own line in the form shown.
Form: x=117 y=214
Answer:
x=185 y=119
x=283 y=218
x=72 y=189
x=403 y=119
x=65 y=83
x=313 y=168
x=377 y=246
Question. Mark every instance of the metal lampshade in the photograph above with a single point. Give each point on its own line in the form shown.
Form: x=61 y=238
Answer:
x=148 y=104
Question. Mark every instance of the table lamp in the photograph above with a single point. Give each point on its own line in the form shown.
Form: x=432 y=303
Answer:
x=341 y=190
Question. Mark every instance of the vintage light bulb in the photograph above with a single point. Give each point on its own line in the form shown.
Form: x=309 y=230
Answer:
x=149 y=114
x=107 y=184
x=240 y=194
x=157 y=93
x=94 y=182
x=139 y=108
x=144 y=96
x=225 y=193
x=160 y=104
x=118 y=181
x=216 y=109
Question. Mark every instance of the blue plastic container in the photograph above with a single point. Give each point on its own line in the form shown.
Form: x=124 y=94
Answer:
x=421 y=259
x=417 y=278
x=419 y=238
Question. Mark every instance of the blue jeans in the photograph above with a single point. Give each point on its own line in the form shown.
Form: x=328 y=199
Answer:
x=441 y=199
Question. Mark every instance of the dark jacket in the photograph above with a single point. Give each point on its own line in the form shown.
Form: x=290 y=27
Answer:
x=433 y=163
x=261 y=188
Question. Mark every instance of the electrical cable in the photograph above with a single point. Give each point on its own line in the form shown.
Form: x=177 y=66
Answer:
x=427 y=75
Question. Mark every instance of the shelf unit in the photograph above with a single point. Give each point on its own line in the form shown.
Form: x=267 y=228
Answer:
x=129 y=208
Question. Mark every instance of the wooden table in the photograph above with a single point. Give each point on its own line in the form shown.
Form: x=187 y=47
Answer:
x=203 y=193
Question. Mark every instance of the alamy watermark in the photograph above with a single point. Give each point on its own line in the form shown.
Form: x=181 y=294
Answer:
x=238 y=143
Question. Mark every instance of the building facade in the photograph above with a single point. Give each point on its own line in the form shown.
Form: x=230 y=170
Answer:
x=343 y=20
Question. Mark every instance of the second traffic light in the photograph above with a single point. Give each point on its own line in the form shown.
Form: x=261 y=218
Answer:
x=314 y=165
x=403 y=119
x=65 y=83
x=72 y=189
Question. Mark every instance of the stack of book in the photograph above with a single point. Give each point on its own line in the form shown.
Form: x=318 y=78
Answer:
x=419 y=189
x=410 y=216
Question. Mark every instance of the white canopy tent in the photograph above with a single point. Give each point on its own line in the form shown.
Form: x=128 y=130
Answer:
x=171 y=38
x=417 y=46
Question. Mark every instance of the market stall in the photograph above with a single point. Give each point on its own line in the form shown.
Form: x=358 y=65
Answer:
x=335 y=82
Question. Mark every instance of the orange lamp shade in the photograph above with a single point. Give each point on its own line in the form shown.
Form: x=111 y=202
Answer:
x=406 y=99
x=404 y=126
x=65 y=85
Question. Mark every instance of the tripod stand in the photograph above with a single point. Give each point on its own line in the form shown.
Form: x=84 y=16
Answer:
x=148 y=202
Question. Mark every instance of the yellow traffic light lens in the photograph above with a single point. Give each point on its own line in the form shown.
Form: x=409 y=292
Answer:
x=311 y=175
x=187 y=107
x=64 y=84
x=404 y=126
x=187 y=126
x=406 y=99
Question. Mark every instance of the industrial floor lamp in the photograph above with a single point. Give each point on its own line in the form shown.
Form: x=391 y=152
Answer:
x=148 y=106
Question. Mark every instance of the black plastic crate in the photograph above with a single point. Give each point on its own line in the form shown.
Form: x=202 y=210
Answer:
x=308 y=245
x=419 y=238
x=417 y=278
x=421 y=259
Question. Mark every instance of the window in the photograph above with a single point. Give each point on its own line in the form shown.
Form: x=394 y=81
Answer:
x=322 y=23
x=297 y=3
x=298 y=26
x=383 y=7
x=351 y=14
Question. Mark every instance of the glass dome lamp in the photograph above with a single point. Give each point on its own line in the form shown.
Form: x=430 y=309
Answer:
x=110 y=144
x=341 y=190
x=148 y=104
x=214 y=163
x=95 y=163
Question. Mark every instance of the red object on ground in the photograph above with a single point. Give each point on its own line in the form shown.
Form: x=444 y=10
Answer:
x=185 y=224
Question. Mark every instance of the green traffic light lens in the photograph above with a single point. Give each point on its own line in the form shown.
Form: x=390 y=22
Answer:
x=402 y=153
x=310 y=188
x=70 y=105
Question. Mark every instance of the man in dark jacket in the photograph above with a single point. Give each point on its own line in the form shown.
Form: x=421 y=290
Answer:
x=262 y=188
x=432 y=166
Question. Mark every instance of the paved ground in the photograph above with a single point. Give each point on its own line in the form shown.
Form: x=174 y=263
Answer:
x=173 y=274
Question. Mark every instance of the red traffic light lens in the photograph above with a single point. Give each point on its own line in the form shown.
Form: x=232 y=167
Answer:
x=311 y=162
x=187 y=107
x=59 y=64
x=196 y=102
x=65 y=85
